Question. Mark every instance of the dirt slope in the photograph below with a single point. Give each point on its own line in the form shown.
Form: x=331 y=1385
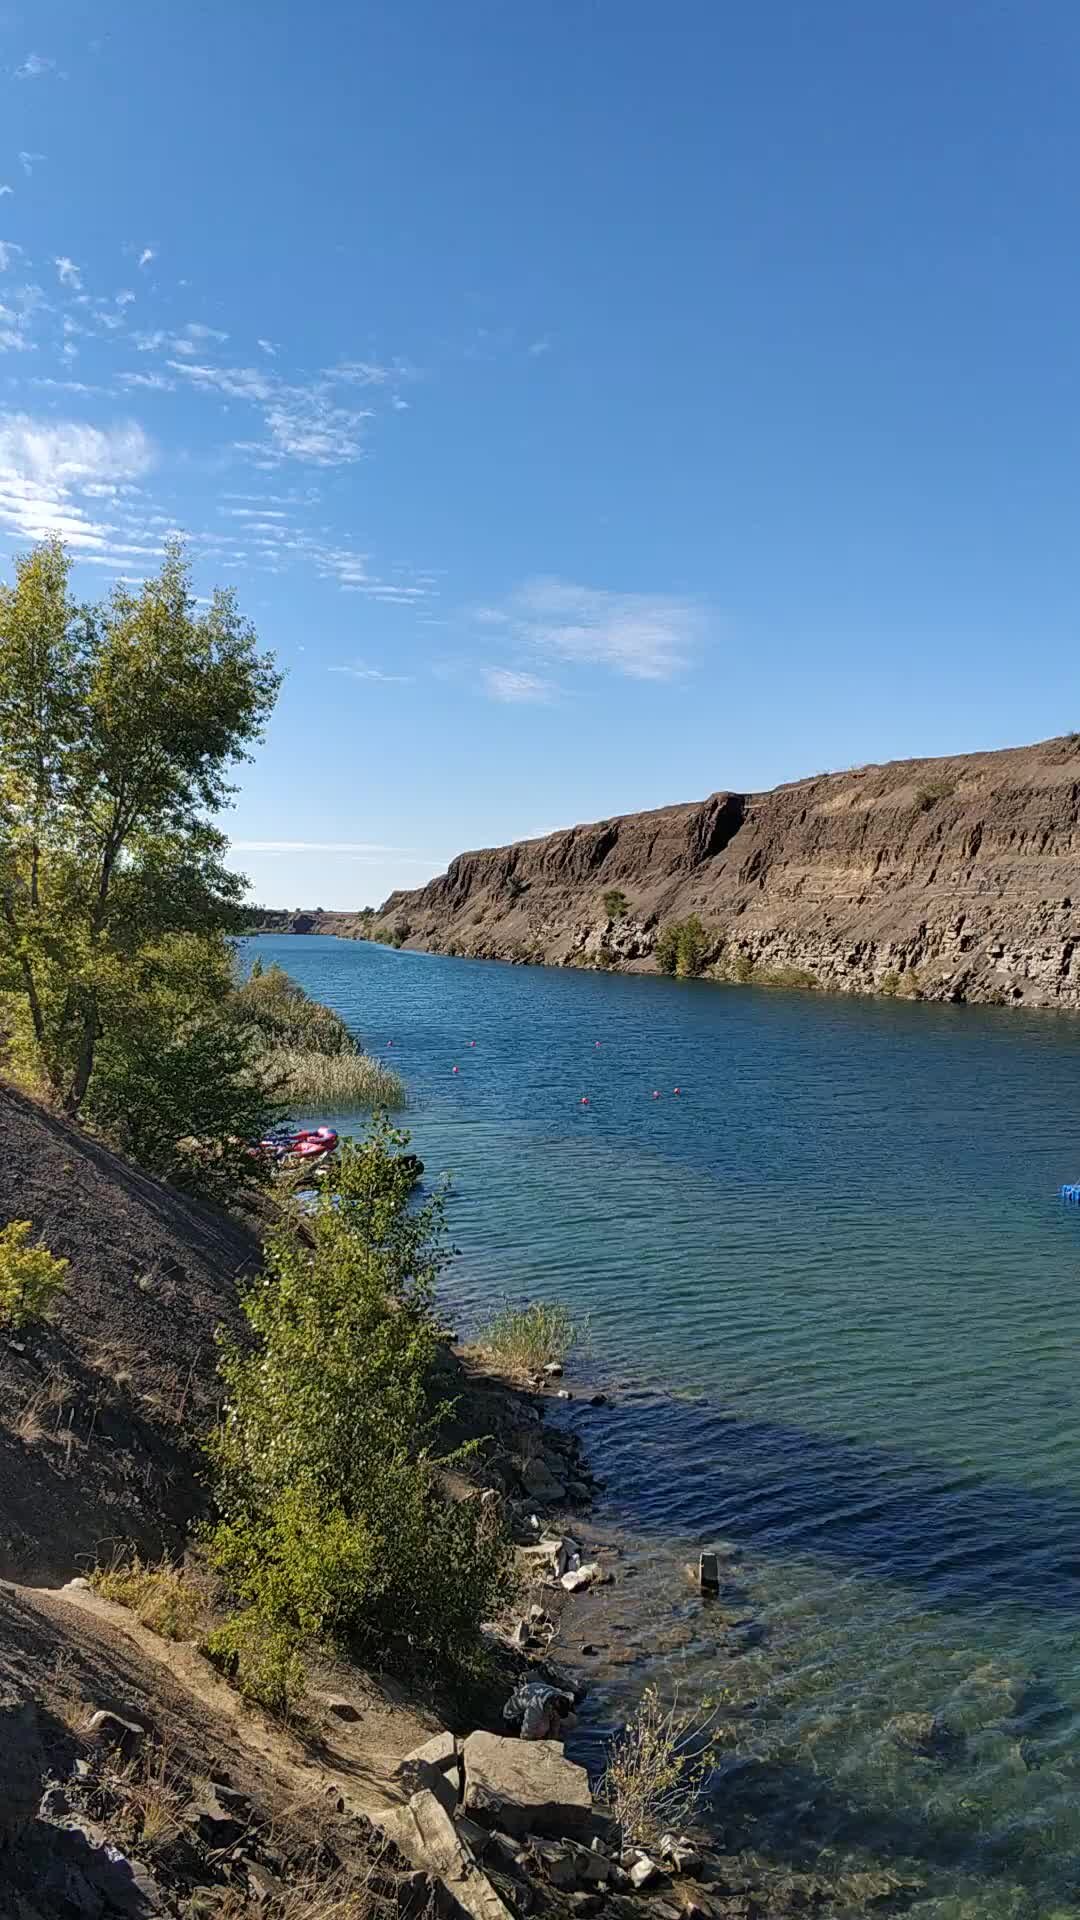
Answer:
x=965 y=870
x=94 y=1409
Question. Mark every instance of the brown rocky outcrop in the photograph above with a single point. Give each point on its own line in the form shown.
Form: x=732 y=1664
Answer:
x=954 y=879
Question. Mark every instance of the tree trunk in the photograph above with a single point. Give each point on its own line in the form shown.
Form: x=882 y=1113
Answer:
x=84 y=1065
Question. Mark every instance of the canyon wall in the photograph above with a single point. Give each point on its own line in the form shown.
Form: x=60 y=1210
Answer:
x=954 y=879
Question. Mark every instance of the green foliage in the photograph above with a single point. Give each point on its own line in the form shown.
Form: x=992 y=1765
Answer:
x=616 y=904
x=31 y=1279
x=332 y=1518
x=263 y=1658
x=930 y=793
x=281 y=1014
x=889 y=985
x=515 y=886
x=683 y=948
x=522 y=1341
x=742 y=970
x=303 y=1050
x=785 y=977
x=119 y=724
x=176 y=1085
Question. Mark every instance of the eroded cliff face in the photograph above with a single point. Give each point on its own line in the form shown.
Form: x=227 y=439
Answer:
x=955 y=878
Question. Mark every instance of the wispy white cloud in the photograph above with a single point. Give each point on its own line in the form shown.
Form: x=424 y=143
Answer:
x=538 y=347
x=4 y=188
x=267 y=347
x=375 y=673
x=147 y=254
x=351 y=847
x=642 y=635
x=68 y=273
x=28 y=161
x=49 y=469
x=514 y=688
x=9 y=251
x=155 y=382
x=125 y=298
x=35 y=67
x=66 y=386
x=196 y=330
x=303 y=422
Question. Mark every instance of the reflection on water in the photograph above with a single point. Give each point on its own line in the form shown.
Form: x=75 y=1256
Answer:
x=840 y=1305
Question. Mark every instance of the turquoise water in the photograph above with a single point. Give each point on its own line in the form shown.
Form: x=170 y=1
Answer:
x=841 y=1305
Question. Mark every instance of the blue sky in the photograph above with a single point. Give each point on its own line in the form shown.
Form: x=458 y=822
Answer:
x=595 y=404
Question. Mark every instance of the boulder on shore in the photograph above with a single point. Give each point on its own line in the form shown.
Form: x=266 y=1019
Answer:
x=526 y=1786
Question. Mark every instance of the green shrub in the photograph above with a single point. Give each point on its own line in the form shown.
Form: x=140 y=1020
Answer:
x=742 y=970
x=889 y=984
x=616 y=904
x=522 y=1341
x=333 y=1522
x=683 y=948
x=280 y=1014
x=789 y=978
x=931 y=792
x=185 y=1102
x=262 y=1658
x=31 y=1279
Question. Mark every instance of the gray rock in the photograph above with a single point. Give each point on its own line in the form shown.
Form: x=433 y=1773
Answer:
x=644 y=1872
x=107 y=1729
x=709 y=1573
x=440 y=1751
x=526 y=1786
x=54 y=1804
x=424 y=1832
x=592 y=1574
x=680 y=1854
x=342 y=1710
x=553 y=1370
x=215 y=1824
x=922 y=1733
x=22 y=1766
x=542 y=1481
x=557 y=1862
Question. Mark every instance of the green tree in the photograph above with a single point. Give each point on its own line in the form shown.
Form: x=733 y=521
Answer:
x=683 y=948
x=333 y=1520
x=119 y=725
x=616 y=904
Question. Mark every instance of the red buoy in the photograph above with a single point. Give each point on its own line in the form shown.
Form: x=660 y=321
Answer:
x=676 y=1089
x=584 y=1099
x=453 y=1069
x=656 y=1096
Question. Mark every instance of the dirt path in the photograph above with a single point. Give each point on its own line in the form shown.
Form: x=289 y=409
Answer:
x=95 y=1649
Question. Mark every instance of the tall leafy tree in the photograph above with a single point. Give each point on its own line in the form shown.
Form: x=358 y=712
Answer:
x=120 y=725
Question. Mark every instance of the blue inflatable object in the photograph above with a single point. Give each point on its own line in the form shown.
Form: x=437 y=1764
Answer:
x=1070 y=1193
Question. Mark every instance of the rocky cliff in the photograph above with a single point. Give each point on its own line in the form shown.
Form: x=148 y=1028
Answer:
x=954 y=879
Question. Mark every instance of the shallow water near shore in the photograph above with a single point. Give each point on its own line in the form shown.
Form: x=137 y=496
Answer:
x=839 y=1302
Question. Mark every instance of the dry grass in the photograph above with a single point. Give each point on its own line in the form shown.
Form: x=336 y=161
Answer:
x=39 y=1416
x=658 y=1769
x=356 y=1892
x=152 y=1798
x=522 y=1341
x=160 y=1597
x=332 y=1082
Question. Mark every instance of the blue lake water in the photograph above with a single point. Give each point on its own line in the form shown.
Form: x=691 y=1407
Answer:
x=841 y=1302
